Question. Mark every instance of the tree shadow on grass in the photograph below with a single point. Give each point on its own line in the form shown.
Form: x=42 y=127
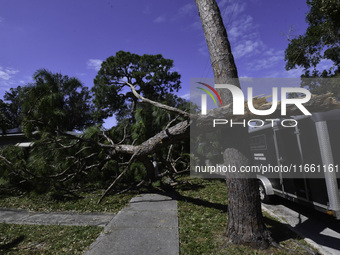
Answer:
x=12 y=244
x=168 y=190
x=279 y=231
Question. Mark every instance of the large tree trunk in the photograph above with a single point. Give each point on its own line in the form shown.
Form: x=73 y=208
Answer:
x=245 y=224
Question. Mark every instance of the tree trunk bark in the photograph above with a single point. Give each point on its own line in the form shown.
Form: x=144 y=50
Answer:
x=245 y=223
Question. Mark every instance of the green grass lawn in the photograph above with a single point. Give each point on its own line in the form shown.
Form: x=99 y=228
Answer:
x=111 y=204
x=202 y=214
x=37 y=239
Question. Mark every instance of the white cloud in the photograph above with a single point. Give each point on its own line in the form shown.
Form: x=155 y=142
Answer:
x=247 y=44
x=81 y=74
x=294 y=73
x=159 y=19
x=266 y=63
x=255 y=56
x=4 y=76
x=186 y=9
x=247 y=48
x=186 y=96
x=241 y=28
x=196 y=25
x=94 y=64
x=231 y=11
x=7 y=73
x=272 y=52
x=203 y=49
x=297 y=72
x=242 y=33
x=268 y=59
x=7 y=79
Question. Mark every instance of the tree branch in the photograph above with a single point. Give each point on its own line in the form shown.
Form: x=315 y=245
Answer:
x=159 y=105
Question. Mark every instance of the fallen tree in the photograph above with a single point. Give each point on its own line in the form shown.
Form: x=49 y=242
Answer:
x=88 y=150
x=181 y=130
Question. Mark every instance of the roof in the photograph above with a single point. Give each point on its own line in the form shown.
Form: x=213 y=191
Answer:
x=24 y=145
x=12 y=131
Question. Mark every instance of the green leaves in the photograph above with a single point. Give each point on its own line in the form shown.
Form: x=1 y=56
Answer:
x=321 y=40
x=54 y=102
x=150 y=74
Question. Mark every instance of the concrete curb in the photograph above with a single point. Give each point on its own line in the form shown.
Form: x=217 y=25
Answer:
x=291 y=226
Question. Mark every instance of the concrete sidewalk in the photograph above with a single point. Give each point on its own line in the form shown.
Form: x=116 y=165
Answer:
x=148 y=225
x=15 y=216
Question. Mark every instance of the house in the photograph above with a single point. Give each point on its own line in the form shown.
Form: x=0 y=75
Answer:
x=13 y=136
x=16 y=137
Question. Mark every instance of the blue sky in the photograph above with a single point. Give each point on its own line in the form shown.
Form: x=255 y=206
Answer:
x=73 y=36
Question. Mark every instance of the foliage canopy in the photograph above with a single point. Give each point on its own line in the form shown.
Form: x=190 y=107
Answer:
x=64 y=163
x=152 y=76
x=319 y=44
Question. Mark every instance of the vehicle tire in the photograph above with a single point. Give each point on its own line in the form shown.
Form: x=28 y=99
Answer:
x=263 y=195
